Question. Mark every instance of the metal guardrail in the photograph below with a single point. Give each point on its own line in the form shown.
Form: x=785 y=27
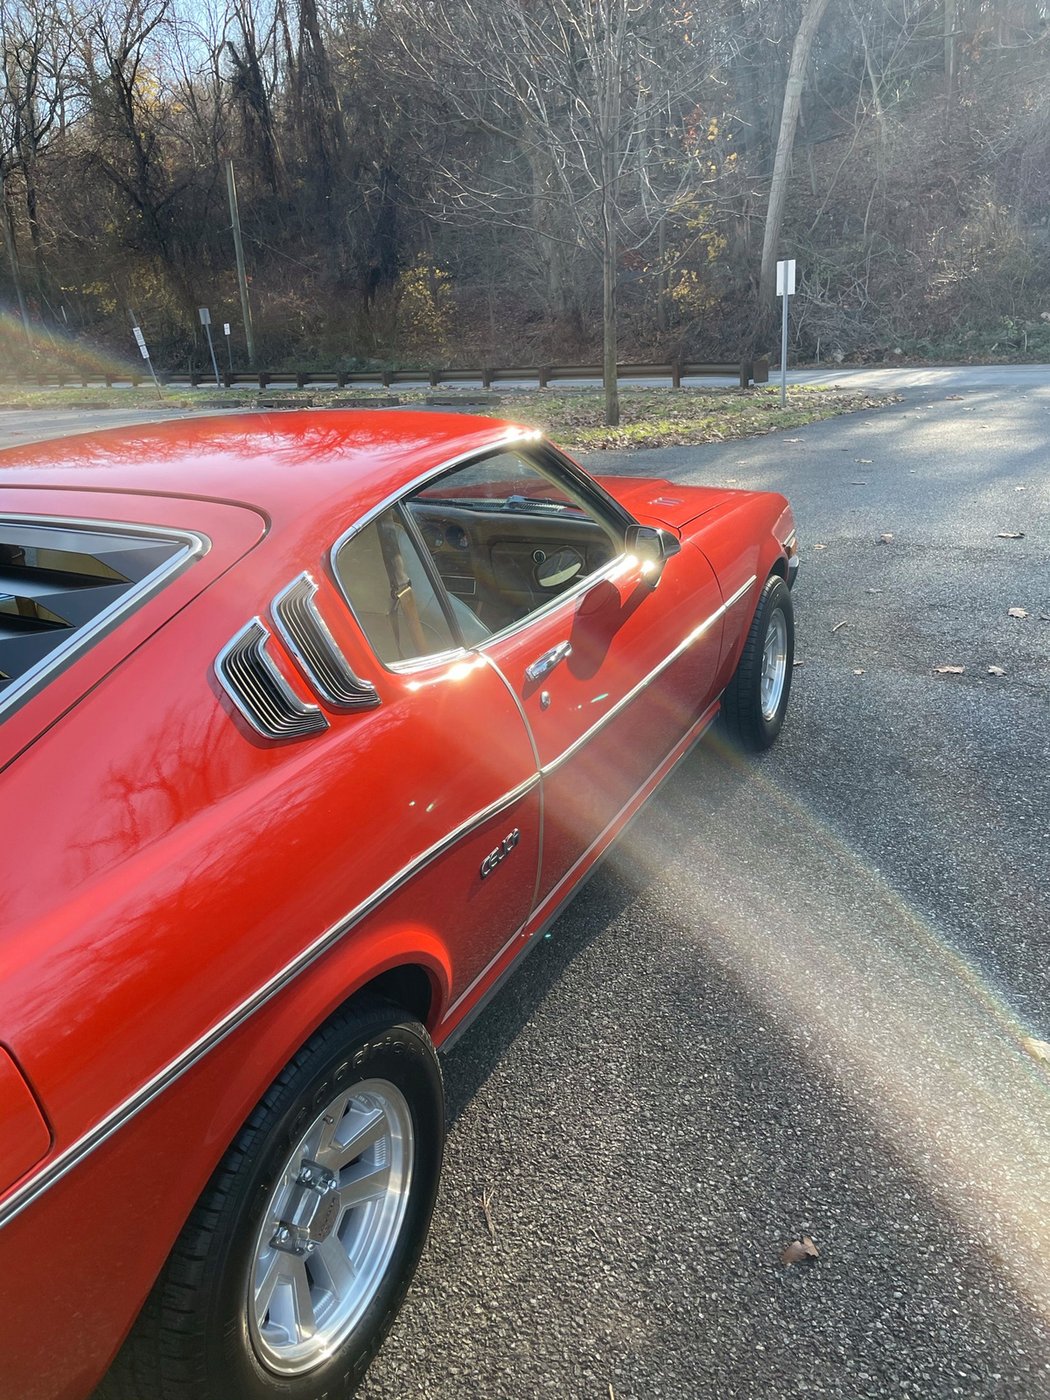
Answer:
x=745 y=371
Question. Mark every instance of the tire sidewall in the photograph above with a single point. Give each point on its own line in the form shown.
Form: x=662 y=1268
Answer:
x=776 y=596
x=400 y=1053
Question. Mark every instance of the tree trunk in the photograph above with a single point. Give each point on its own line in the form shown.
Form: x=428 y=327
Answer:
x=612 y=390
x=800 y=54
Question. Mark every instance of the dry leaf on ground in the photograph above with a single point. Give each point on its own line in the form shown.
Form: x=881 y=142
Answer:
x=948 y=670
x=884 y=539
x=799 y=1250
x=798 y=663
x=1010 y=535
x=863 y=461
x=1018 y=612
x=858 y=670
x=486 y=1206
x=1038 y=1049
x=996 y=671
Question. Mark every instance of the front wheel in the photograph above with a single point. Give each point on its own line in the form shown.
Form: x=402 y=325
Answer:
x=756 y=699
x=296 y=1258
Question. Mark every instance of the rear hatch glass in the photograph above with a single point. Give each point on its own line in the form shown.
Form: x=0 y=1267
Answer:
x=64 y=585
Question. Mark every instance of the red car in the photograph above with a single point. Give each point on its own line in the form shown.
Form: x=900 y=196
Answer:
x=310 y=724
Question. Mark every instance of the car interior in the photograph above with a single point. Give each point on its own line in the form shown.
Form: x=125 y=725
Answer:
x=503 y=537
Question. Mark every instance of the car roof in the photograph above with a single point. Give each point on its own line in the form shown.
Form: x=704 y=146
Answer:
x=287 y=463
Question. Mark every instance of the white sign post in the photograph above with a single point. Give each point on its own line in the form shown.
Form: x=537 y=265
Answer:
x=205 y=315
x=785 y=289
x=140 y=341
x=229 y=342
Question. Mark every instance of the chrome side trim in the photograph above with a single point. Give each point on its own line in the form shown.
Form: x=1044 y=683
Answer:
x=261 y=694
x=657 y=670
x=686 y=745
x=307 y=636
x=195 y=546
x=54 y=1171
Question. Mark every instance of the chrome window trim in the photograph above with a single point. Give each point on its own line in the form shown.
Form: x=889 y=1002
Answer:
x=55 y=1170
x=510 y=440
x=194 y=546
x=349 y=691
x=303 y=719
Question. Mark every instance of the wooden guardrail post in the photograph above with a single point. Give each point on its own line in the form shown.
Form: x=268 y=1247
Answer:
x=676 y=373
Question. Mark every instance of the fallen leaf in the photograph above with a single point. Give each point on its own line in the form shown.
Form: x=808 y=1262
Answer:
x=820 y=546
x=996 y=671
x=884 y=539
x=1010 y=535
x=858 y=483
x=863 y=461
x=1018 y=488
x=799 y=1250
x=950 y=397
x=1018 y=612
x=840 y=624
x=873 y=590
x=486 y=1206
x=858 y=671
x=948 y=670
x=798 y=663
x=792 y=439
x=1038 y=1049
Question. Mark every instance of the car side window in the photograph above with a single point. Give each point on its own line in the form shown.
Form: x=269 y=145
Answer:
x=386 y=583
x=507 y=537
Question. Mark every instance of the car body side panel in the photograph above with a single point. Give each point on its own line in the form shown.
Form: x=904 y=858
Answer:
x=158 y=883
x=629 y=688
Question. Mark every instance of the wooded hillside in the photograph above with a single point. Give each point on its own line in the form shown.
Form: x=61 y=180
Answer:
x=461 y=181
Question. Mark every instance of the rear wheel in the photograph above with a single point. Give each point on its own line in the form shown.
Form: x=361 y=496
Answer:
x=296 y=1258
x=756 y=699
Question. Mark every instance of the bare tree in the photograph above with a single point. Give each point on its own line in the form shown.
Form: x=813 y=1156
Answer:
x=581 y=93
x=796 y=79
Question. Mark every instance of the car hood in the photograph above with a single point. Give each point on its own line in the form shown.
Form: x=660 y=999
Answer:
x=668 y=503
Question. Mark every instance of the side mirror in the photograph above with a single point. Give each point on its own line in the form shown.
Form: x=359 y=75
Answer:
x=652 y=548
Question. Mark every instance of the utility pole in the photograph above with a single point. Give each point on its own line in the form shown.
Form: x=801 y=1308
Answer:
x=12 y=253
x=235 y=219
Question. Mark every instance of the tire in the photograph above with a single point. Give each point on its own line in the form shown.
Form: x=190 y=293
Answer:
x=756 y=699
x=289 y=1201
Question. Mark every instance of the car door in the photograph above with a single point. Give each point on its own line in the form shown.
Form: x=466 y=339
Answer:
x=610 y=672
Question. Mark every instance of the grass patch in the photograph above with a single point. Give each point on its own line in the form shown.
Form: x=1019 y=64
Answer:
x=676 y=417
x=648 y=417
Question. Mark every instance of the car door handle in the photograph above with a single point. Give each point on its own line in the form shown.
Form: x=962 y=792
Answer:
x=545 y=664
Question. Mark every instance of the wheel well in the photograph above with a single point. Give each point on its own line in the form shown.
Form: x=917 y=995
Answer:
x=780 y=569
x=409 y=986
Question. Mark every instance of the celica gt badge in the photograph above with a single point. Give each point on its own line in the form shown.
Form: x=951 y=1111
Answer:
x=501 y=852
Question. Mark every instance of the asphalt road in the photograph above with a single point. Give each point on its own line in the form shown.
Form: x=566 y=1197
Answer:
x=794 y=998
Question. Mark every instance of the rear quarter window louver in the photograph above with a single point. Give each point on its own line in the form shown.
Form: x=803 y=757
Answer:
x=62 y=585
